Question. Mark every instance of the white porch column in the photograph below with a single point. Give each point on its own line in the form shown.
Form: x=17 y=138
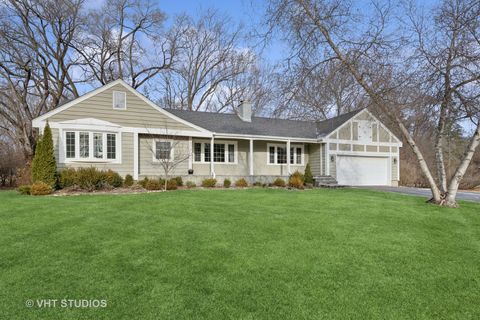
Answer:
x=327 y=159
x=250 y=161
x=288 y=157
x=212 y=168
x=135 y=156
x=190 y=154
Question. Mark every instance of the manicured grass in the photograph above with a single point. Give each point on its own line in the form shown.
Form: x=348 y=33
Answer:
x=240 y=254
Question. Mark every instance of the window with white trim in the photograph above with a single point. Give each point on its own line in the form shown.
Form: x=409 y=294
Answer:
x=223 y=152
x=111 y=146
x=70 y=145
x=98 y=145
x=163 y=150
x=119 y=100
x=84 y=145
x=277 y=154
x=90 y=146
x=197 y=152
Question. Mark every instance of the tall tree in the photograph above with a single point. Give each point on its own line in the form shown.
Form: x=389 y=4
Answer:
x=212 y=68
x=35 y=62
x=126 y=39
x=328 y=30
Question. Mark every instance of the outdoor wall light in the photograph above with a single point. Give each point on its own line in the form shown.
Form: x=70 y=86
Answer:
x=394 y=160
x=332 y=158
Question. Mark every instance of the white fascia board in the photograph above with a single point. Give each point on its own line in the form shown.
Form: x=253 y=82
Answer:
x=386 y=144
x=260 y=137
x=116 y=128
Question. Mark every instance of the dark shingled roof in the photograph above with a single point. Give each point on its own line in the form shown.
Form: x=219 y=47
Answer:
x=232 y=124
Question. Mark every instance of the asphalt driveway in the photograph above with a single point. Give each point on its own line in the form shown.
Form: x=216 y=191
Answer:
x=462 y=195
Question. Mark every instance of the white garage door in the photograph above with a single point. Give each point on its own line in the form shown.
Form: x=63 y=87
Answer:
x=362 y=171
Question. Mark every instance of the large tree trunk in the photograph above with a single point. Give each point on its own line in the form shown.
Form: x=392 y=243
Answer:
x=462 y=168
x=439 y=139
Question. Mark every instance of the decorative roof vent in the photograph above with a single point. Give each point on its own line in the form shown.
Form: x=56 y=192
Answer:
x=245 y=111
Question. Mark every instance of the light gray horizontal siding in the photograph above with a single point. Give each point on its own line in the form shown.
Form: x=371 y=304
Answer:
x=150 y=168
x=124 y=168
x=138 y=113
x=315 y=159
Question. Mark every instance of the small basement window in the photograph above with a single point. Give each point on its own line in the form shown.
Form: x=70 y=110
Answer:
x=119 y=100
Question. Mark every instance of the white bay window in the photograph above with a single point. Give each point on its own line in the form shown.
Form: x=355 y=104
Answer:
x=91 y=146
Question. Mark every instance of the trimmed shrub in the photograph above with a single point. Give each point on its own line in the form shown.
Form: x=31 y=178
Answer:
x=91 y=179
x=172 y=184
x=44 y=166
x=128 y=182
x=153 y=185
x=241 y=183
x=227 y=183
x=191 y=184
x=308 y=176
x=143 y=182
x=40 y=188
x=113 y=179
x=179 y=181
x=209 y=183
x=257 y=184
x=296 y=180
x=25 y=189
x=67 y=178
x=279 y=182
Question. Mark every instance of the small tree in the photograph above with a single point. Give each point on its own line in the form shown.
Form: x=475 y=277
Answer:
x=169 y=151
x=44 y=166
x=308 y=177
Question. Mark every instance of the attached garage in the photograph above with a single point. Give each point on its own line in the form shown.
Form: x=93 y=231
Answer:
x=362 y=171
x=362 y=151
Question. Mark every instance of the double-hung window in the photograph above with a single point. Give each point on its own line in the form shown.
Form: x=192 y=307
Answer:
x=198 y=152
x=90 y=146
x=163 y=150
x=98 y=145
x=70 y=144
x=111 y=146
x=223 y=152
x=218 y=152
x=277 y=154
x=84 y=145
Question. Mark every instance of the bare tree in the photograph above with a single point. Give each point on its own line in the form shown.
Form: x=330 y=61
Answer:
x=330 y=29
x=447 y=51
x=35 y=62
x=317 y=92
x=210 y=59
x=126 y=39
x=168 y=151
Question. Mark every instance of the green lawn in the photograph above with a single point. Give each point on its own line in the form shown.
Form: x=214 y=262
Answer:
x=240 y=254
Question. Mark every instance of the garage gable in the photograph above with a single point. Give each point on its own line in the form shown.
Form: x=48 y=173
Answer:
x=363 y=128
